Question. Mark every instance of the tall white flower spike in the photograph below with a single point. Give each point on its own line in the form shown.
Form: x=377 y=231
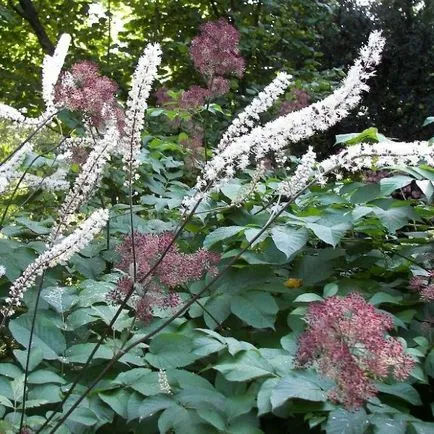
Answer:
x=54 y=255
x=236 y=153
x=144 y=75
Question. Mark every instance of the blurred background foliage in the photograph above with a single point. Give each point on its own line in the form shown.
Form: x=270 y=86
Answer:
x=313 y=40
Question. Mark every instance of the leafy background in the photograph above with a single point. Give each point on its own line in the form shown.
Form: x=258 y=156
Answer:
x=229 y=360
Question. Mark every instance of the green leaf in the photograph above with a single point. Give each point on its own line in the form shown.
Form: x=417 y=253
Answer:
x=308 y=298
x=147 y=384
x=117 y=401
x=329 y=234
x=6 y=402
x=256 y=308
x=330 y=290
x=204 y=346
x=388 y=425
x=244 y=366
x=221 y=234
x=156 y=403
x=389 y=185
x=369 y=135
x=10 y=370
x=60 y=298
x=213 y=418
x=427 y=188
x=43 y=376
x=193 y=397
x=47 y=337
x=237 y=405
x=33 y=226
x=171 y=350
x=428 y=120
x=401 y=390
x=289 y=241
x=294 y=386
x=341 y=421
x=264 y=395
x=384 y=297
x=423 y=427
x=366 y=193
x=395 y=218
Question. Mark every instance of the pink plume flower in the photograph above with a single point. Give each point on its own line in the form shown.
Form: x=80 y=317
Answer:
x=83 y=89
x=158 y=289
x=347 y=341
x=424 y=286
x=215 y=51
x=194 y=97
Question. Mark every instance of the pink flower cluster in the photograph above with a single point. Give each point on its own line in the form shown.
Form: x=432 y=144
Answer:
x=174 y=270
x=346 y=341
x=83 y=89
x=215 y=51
x=215 y=54
x=300 y=100
x=424 y=286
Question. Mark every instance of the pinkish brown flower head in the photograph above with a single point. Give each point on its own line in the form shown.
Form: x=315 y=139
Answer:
x=346 y=340
x=424 y=286
x=83 y=89
x=194 y=97
x=215 y=51
x=176 y=269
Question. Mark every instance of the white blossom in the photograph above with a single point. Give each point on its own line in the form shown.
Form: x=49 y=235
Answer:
x=163 y=382
x=87 y=179
x=274 y=136
x=2 y=270
x=54 y=182
x=262 y=102
x=301 y=176
x=54 y=255
x=143 y=77
x=8 y=169
x=51 y=68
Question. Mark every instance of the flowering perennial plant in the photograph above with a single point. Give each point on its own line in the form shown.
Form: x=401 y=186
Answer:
x=176 y=269
x=424 y=286
x=215 y=51
x=83 y=89
x=346 y=341
x=275 y=135
x=143 y=78
x=86 y=181
x=56 y=254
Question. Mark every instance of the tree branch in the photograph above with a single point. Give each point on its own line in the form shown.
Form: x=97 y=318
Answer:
x=27 y=10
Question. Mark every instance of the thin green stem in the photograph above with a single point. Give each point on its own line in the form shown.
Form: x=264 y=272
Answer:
x=26 y=370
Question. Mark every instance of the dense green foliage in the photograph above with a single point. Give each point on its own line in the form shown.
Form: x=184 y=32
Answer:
x=229 y=359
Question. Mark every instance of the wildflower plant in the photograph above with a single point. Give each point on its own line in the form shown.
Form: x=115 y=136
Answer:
x=167 y=290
